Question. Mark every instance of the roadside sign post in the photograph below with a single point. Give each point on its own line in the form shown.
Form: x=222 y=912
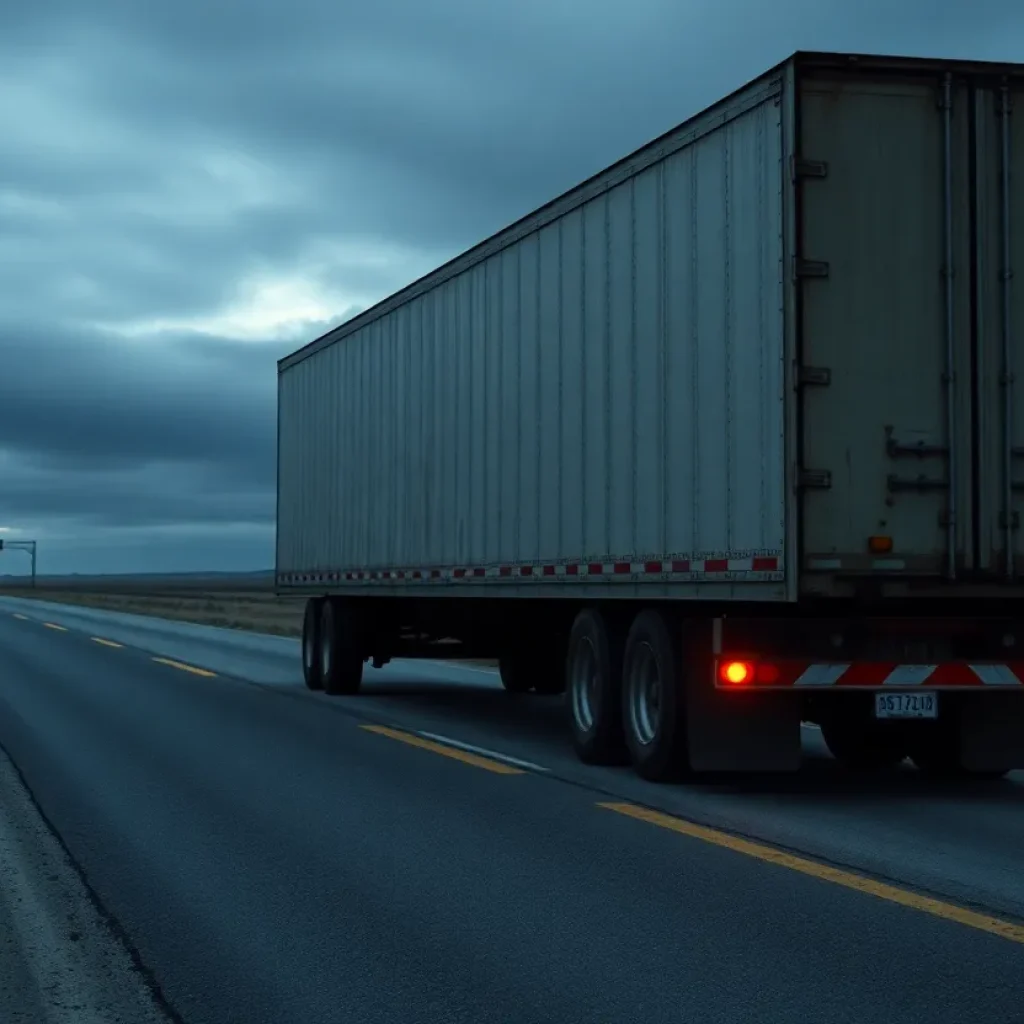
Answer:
x=22 y=545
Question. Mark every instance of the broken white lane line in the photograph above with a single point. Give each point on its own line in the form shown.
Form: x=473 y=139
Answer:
x=482 y=751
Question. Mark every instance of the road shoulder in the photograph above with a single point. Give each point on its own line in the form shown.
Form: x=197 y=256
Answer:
x=59 y=957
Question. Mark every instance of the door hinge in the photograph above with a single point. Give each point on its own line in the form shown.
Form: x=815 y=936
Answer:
x=920 y=483
x=818 y=375
x=800 y=167
x=918 y=448
x=809 y=268
x=814 y=479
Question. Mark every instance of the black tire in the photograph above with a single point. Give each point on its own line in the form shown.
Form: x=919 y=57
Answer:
x=593 y=681
x=542 y=672
x=936 y=753
x=860 y=745
x=341 y=658
x=550 y=679
x=653 y=706
x=311 y=669
x=515 y=674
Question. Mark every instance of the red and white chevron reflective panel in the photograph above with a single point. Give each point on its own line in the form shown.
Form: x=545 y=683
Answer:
x=809 y=675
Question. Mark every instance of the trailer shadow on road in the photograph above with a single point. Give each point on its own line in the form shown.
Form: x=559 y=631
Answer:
x=823 y=777
x=490 y=715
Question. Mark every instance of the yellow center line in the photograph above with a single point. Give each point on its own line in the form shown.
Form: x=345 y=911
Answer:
x=837 y=876
x=106 y=643
x=18 y=615
x=53 y=625
x=439 y=748
x=184 y=667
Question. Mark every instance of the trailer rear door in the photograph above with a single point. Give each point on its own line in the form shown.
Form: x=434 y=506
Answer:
x=898 y=357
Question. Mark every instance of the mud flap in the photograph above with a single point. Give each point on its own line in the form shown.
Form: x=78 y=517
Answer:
x=992 y=731
x=731 y=731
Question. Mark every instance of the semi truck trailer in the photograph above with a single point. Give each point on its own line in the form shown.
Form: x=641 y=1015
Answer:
x=722 y=441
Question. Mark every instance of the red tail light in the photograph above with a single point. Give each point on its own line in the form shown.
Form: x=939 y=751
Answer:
x=736 y=673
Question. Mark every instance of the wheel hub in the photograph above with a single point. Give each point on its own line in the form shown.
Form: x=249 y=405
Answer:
x=644 y=695
x=325 y=652
x=584 y=688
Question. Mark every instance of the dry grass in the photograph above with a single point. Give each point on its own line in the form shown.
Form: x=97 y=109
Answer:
x=249 y=610
x=251 y=606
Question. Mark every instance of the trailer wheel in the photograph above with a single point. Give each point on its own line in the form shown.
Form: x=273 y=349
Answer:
x=550 y=678
x=652 y=706
x=311 y=669
x=515 y=674
x=936 y=753
x=860 y=745
x=541 y=674
x=341 y=660
x=593 y=682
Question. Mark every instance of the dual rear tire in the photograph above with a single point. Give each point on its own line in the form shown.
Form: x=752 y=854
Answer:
x=531 y=674
x=863 y=745
x=332 y=656
x=625 y=700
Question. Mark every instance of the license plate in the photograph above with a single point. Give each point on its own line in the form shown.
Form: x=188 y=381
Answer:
x=907 y=705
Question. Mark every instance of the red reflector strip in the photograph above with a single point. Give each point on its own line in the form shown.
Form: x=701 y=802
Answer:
x=610 y=569
x=866 y=673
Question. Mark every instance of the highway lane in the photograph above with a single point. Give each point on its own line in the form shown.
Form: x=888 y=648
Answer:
x=271 y=859
x=962 y=841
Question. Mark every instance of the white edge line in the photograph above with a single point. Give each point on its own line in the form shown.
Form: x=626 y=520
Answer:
x=483 y=751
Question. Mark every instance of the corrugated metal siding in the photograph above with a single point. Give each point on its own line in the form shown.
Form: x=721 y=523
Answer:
x=609 y=386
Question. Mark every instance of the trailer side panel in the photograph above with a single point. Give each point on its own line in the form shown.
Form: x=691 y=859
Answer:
x=600 y=401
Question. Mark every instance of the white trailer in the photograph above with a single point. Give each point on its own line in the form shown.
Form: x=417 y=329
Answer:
x=721 y=440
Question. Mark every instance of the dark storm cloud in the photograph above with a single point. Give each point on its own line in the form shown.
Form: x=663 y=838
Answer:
x=77 y=396
x=156 y=158
x=108 y=439
x=98 y=495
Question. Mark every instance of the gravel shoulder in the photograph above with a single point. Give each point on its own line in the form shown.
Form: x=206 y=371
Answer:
x=60 y=957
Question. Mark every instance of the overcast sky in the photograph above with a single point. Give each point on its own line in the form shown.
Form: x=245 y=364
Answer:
x=190 y=190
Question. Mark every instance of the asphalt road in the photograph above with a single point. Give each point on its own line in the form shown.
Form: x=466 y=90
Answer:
x=262 y=854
